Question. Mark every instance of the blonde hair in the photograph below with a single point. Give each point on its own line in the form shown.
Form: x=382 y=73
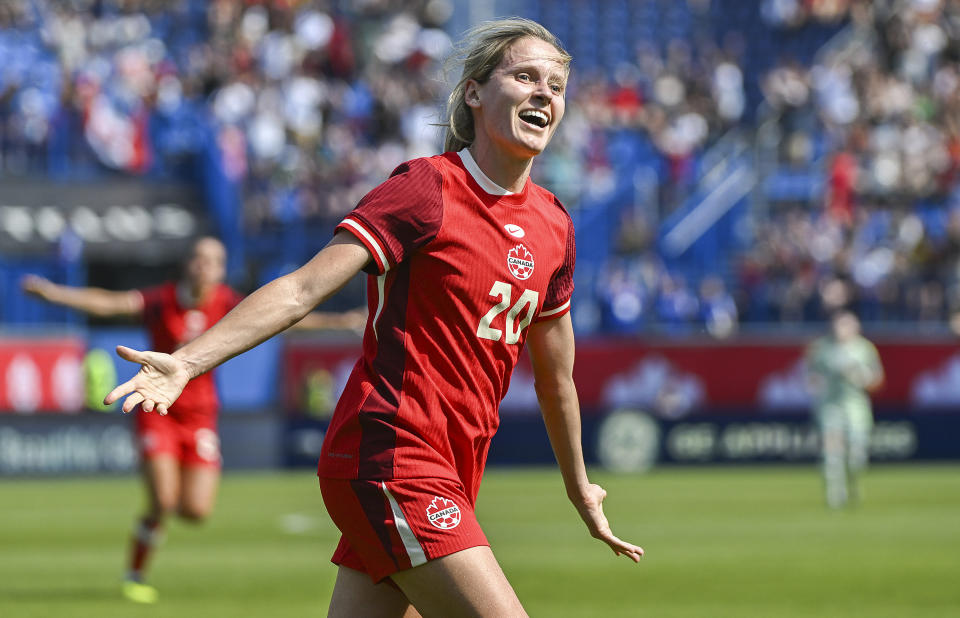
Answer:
x=477 y=55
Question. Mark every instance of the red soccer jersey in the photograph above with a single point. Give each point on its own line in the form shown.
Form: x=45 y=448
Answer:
x=460 y=269
x=171 y=325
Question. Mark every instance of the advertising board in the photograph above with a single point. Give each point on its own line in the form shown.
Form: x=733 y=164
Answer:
x=41 y=375
x=671 y=380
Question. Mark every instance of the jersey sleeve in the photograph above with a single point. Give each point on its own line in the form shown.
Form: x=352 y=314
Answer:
x=557 y=301
x=399 y=216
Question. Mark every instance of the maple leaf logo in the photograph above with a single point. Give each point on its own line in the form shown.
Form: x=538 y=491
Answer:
x=520 y=262
x=443 y=513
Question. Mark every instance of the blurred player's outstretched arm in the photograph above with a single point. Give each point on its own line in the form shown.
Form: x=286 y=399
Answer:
x=94 y=301
x=551 y=347
x=269 y=310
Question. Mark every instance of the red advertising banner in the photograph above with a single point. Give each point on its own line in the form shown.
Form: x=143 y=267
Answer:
x=41 y=375
x=669 y=379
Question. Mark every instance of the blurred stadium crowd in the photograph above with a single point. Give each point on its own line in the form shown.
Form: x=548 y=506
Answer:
x=880 y=114
x=847 y=122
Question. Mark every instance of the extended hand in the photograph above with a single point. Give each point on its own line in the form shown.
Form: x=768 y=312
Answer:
x=35 y=286
x=590 y=508
x=156 y=386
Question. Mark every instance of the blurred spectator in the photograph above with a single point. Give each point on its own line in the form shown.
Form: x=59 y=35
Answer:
x=718 y=310
x=796 y=13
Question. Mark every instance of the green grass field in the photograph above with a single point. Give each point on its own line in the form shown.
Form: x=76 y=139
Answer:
x=729 y=542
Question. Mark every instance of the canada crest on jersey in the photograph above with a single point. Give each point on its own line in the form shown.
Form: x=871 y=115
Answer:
x=443 y=513
x=520 y=261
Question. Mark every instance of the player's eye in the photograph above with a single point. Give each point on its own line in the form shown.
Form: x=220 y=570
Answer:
x=556 y=88
x=524 y=77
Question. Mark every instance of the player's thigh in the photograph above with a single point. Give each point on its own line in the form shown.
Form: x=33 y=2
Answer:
x=161 y=475
x=199 y=490
x=466 y=583
x=355 y=594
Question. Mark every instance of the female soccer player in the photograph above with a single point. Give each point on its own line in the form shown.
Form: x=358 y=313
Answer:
x=468 y=261
x=181 y=451
x=843 y=368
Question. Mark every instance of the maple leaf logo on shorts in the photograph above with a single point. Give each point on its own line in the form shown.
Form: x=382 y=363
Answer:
x=520 y=261
x=443 y=513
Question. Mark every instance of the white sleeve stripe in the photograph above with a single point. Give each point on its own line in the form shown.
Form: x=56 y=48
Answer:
x=410 y=543
x=548 y=313
x=369 y=238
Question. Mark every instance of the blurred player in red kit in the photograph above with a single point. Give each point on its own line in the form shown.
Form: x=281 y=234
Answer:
x=181 y=451
x=468 y=262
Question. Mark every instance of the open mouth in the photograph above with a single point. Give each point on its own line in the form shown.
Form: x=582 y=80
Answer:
x=534 y=117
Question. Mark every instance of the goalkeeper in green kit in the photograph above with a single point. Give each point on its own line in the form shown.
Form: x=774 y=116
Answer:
x=843 y=368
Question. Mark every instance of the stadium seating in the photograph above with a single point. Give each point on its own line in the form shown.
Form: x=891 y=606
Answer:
x=275 y=178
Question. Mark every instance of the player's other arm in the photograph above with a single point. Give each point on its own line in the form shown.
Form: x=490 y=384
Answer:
x=92 y=301
x=551 y=348
x=261 y=315
x=875 y=377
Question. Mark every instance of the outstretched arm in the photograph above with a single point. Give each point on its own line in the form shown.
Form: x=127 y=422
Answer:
x=354 y=320
x=551 y=349
x=269 y=310
x=93 y=301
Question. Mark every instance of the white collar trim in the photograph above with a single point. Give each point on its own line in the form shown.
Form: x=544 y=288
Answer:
x=482 y=179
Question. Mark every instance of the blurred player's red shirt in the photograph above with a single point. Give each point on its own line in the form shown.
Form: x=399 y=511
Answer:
x=460 y=270
x=172 y=324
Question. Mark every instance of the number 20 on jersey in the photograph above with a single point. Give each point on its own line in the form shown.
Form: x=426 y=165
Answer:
x=526 y=304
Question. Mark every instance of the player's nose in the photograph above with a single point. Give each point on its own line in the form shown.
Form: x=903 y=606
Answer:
x=543 y=91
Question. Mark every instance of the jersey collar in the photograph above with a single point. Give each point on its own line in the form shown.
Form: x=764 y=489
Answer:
x=481 y=179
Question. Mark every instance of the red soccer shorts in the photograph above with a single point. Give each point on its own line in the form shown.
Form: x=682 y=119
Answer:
x=191 y=441
x=389 y=526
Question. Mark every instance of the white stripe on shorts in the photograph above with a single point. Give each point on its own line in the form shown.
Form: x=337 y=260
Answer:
x=410 y=542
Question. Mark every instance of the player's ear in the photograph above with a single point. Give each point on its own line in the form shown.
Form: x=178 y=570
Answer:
x=471 y=94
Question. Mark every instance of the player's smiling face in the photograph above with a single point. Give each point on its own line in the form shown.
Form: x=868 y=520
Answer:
x=519 y=107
